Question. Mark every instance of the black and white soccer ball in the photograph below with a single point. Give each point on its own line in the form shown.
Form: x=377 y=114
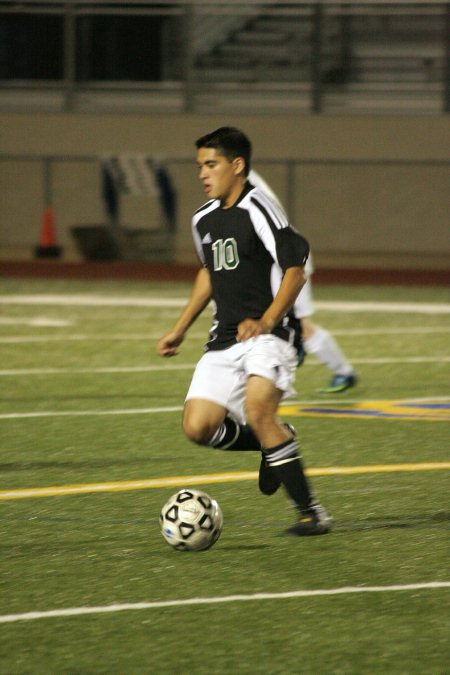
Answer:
x=191 y=520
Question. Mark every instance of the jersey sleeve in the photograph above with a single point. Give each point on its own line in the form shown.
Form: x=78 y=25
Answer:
x=286 y=246
x=292 y=249
x=198 y=242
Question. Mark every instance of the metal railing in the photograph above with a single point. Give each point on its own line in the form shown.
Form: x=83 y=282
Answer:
x=349 y=222
x=47 y=165
x=206 y=56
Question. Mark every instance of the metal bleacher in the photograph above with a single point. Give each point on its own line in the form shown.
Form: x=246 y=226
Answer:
x=378 y=58
x=266 y=48
x=259 y=56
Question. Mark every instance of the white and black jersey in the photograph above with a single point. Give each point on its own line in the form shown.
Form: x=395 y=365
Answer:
x=246 y=249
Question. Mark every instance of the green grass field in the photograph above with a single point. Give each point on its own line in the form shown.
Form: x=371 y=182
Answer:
x=86 y=402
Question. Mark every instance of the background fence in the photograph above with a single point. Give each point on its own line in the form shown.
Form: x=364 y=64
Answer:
x=345 y=104
x=354 y=211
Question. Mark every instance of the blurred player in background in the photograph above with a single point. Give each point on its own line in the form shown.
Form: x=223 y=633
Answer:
x=316 y=340
x=253 y=269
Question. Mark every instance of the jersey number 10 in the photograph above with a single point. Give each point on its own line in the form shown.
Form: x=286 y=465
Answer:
x=225 y=254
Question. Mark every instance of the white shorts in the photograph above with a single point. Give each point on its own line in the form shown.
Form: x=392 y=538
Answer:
x=221 y=376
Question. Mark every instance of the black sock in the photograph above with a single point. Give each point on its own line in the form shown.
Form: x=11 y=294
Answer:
x=285 y=461
x=234 y=436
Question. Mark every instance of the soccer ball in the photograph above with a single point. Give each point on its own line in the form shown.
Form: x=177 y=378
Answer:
x=191 y=521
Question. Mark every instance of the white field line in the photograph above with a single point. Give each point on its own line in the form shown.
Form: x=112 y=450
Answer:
x=13 y=339
x=179 y=408
x=214 y=600
x=401 y=307
x=80 y=337
x=90 y=300
x=96 y=300
x=417 y=330
x=191 y=366
x=37 y=322
x=55 y=323
x=98 y=371
x=89 y=413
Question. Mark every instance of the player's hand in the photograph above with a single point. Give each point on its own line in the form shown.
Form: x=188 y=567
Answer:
x=249 y=328
x=169 y=343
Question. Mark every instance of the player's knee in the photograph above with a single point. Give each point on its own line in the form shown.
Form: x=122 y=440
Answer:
x=197 y=431
x=255 y=416
x=308 y=328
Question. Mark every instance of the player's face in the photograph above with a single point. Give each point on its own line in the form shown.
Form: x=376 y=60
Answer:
x=221 y=178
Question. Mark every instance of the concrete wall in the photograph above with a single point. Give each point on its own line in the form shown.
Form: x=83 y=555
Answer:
x=353 y=214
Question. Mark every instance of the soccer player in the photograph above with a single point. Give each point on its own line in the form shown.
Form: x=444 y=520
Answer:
x=253 y=270
x=316 y=339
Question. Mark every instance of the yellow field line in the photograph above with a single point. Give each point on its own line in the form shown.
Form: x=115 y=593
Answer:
x=182 y=481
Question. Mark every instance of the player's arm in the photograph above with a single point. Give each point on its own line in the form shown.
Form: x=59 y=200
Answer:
x=291 y=285
x=199 y=298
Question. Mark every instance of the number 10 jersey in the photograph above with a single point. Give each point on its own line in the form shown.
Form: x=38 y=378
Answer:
x=246 y=250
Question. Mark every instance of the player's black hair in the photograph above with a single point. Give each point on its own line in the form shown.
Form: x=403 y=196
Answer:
x=230 y=142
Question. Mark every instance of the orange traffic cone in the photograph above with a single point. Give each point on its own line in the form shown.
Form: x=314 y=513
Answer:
x=48 y=247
